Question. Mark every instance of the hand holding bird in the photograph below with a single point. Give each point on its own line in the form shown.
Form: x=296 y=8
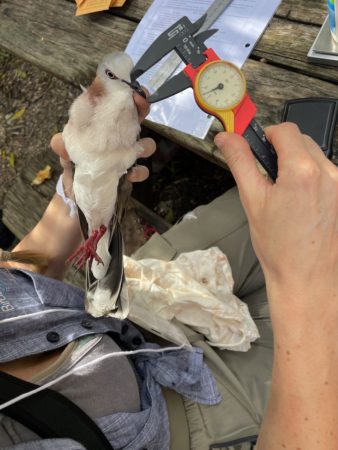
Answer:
x=101 y=140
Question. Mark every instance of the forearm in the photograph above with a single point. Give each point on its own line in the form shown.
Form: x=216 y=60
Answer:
x=293 y=225
x=302 y=411
x=57 y=235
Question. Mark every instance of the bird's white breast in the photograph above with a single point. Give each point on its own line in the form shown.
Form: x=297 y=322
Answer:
x=101 y=141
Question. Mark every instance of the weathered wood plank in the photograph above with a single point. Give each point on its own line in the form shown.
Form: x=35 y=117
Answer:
x=23 y=208
x=33 y=165
x=49 y=35
x=24 y=203
x=287 y=44
x=70 y=47
x=305 y=11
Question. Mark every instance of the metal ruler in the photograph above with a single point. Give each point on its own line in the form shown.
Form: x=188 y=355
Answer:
x=173 y=60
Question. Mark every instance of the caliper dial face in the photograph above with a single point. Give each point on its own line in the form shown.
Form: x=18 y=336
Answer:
x=221 y=85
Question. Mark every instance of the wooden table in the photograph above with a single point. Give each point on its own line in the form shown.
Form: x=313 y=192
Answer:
x=48 y=34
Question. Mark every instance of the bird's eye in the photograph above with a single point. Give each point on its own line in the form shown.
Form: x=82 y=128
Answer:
x=110 y=74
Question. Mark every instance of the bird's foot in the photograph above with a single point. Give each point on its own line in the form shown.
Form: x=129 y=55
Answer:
x=87 y=251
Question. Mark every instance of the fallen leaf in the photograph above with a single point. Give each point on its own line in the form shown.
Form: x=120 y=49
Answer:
x=18 y=114
x=21 y=74
x=42 y=176
x=12 y=160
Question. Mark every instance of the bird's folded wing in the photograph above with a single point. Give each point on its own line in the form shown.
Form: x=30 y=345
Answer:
x=108 y=296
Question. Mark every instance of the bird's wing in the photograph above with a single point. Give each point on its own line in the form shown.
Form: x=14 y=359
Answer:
x=83 y=223
x=123 y=194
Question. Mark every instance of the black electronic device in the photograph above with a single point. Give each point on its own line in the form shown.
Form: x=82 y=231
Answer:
x=316 y=117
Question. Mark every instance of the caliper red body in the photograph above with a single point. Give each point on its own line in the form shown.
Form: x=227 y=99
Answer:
x=244 y=112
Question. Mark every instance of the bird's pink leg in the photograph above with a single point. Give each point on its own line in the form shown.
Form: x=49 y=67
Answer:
x=87 y=251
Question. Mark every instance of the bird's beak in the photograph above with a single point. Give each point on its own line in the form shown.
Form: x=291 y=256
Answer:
x=135 y=85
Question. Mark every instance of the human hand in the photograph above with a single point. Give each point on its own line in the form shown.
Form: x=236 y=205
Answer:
x=294 y=222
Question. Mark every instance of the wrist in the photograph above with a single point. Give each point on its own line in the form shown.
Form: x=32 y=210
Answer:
x=300 y=313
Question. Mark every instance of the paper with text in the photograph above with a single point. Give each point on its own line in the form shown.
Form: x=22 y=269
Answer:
x=240 y=26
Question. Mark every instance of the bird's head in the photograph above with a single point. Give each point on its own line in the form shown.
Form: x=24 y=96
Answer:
x=115 y=67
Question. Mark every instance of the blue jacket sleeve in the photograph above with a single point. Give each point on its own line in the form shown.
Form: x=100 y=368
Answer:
x=47 y=444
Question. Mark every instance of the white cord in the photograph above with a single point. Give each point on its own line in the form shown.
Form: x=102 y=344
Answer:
x=74 y=369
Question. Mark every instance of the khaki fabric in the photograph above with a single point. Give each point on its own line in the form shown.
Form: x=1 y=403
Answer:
x=178 y=422
x=243 y=379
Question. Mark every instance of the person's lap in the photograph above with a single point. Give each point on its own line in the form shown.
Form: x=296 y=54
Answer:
x=221 y=223
x=243 y=378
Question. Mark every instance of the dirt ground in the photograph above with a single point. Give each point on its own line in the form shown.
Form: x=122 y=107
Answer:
x=34 y=105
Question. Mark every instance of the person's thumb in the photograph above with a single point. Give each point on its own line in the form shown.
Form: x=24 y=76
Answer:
x=241 y=162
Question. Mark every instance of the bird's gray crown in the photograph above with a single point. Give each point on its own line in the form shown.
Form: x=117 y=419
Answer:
x=119 y=63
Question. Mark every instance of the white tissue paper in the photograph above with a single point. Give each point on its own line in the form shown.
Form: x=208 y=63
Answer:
x=196 y=290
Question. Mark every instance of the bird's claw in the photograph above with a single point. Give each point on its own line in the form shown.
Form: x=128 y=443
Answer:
x=87 y=251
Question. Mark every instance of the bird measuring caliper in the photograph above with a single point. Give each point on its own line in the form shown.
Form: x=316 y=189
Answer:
x=219 y=86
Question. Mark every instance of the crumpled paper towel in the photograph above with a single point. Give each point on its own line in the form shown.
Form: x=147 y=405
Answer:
x=196 y=289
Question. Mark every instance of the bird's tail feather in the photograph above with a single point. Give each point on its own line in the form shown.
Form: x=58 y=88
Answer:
x=108 y=296
x=106 y=289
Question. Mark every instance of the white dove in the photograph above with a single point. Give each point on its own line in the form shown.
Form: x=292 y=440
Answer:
x=101 y=140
